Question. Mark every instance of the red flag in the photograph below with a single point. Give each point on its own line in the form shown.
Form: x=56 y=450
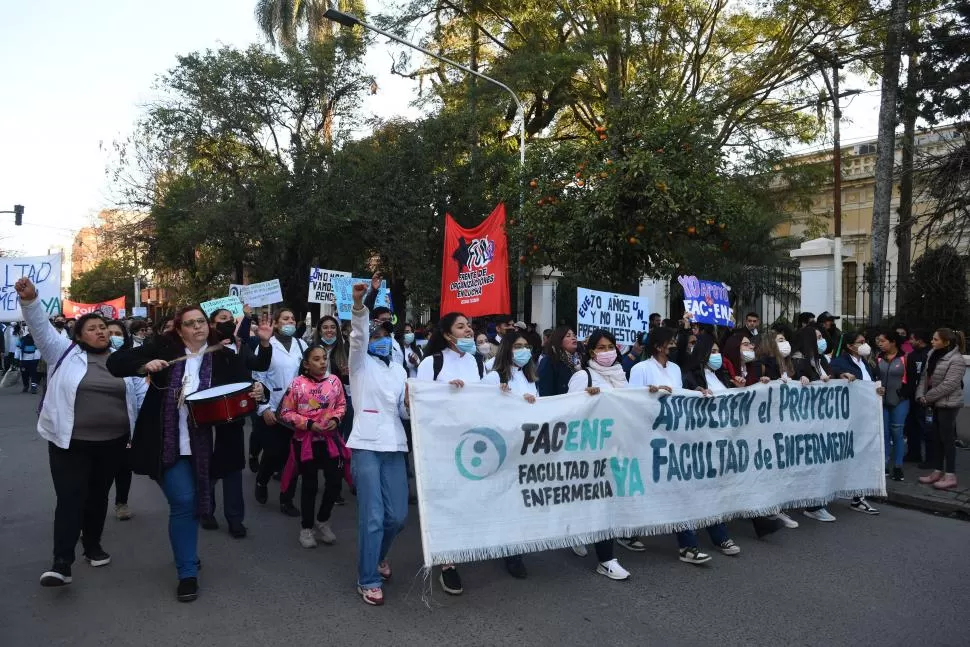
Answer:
x=475 y=267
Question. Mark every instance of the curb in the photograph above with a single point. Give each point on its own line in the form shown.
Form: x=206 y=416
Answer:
x=954 y=508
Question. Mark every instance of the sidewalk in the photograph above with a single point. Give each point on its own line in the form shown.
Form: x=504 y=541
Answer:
x=912 y=494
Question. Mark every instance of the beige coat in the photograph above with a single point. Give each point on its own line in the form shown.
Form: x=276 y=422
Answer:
x=946 y=391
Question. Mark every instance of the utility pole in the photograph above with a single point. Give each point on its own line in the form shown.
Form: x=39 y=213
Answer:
x=885 y=159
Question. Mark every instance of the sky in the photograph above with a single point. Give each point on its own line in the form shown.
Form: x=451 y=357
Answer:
x=76 y=75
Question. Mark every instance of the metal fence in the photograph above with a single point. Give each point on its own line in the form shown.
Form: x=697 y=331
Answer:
x=773 y=292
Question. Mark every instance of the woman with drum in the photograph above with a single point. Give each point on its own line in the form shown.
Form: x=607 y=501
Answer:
x=284 y=367
x=86 y=417
x=175 y=447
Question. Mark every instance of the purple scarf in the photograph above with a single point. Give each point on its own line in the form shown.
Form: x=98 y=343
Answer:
x=200 y=438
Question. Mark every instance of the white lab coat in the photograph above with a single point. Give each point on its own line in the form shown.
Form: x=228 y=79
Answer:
x=283 y=369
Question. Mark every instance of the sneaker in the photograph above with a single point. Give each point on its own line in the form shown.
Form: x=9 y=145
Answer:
x=237 y=530
x=253 y=464
x=819 y=515
x=693 y=555
x=122 y=512
x=373 y=597
x=340 y=500
x=97 y=558
x=861 y=505
x=613 y=570
x=516 y=567
x=33 y=389
x=948 y=482
x=325 y=532
x=59 y=575
x=262 y=495
x=188 y=589
x=289 y=509
x=932 y=477
x=729 y=547
x=385 y=570
x=580 y=550
x=785 y=519
x=208 y=522
x=631 y=543
x=898 y=474
x=307 y=540
x=451 y=581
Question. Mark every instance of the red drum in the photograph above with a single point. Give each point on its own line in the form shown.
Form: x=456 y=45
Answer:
x=221 y=404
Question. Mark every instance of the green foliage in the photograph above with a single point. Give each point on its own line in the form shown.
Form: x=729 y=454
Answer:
x=109 y=279
x=935 y=294
x=944 y=66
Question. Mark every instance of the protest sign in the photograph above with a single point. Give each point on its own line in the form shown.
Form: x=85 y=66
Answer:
x=112 y=309
x=321 y=286
x=43 y=271
x=139 y=311
x=475 y=270
x=236 y=290
x=708 y=301
x=343 y=291
x=232 y=304
x=498 y=476
x=257 y=295
x=624 y=316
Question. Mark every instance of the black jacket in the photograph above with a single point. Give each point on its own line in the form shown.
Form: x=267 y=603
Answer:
x=146 y=443
x=554 y=376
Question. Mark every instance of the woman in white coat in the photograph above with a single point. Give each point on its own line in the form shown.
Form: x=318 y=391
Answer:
x=87 y=416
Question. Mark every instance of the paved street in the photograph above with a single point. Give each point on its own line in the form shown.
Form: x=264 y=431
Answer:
x=902 y=578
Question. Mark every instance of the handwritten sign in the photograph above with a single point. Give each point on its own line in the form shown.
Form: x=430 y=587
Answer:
x=236 y=290
x=262 y=294
x=232 y=304
x=139 y=311
x=344 y=288
x=708 y=301
x=321 y=285
x=623 y=315
x=43 y=271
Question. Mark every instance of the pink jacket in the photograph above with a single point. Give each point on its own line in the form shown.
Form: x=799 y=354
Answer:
x=314 y=401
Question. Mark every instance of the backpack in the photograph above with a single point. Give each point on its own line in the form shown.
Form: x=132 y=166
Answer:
x=439 y=362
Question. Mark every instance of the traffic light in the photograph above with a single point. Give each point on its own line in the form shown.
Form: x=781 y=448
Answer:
x=18 y=214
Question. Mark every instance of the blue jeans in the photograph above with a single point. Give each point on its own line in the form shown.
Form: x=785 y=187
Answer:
x=894 y=421
x=688 y=538
x=178 y=484
x=232 y=497
x=382 y=508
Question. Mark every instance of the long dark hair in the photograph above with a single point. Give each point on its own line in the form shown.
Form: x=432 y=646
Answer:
x=598 y=335
x=503 y=359
x=658 y=337
x=83 y=319
x=555 y=341
x=438 y=343
x=124 y=332
x=847 y=339
x=338 y=356
x=702 y=353
x=174 y=339
x=806 y=342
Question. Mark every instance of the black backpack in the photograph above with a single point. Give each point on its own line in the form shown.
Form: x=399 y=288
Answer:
x=439 y=362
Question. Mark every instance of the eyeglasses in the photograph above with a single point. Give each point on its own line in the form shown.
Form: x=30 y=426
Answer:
x=194 y=323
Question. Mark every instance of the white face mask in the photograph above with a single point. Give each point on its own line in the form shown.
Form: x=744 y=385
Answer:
x=865 y=350
x=785 y=348
x=747 y=356
x=484 y=349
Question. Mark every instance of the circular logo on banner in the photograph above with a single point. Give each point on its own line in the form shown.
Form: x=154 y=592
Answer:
x=480 y=453
x=107 y=311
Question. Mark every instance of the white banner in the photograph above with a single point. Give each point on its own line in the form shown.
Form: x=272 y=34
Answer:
x=262 y=294
x=498 y=476
x=321 y=285
x=623 y=315
x=44 y=271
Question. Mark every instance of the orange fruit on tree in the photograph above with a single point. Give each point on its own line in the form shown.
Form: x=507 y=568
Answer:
x=533 y=184
x=640 y=229
x=692 y=230
x=580 y=183
x=634 y=240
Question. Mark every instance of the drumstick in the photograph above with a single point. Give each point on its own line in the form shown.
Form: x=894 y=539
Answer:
x=210 y=349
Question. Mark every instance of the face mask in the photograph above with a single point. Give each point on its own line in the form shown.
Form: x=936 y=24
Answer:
x=226 y=329
x=409 y=338
x=484 y=349
x=465 y=345
x=822 y=345
x=784 y=348
x=747 y=356
x=715 y=361
x=521 y=356
x=289 y=330
x=606 y=358
x=865 y=350
x=329 y=341
x=116 y=341
x=380 y=347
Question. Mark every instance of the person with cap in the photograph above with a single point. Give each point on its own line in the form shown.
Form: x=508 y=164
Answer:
x=833 y=335
x=378 y=446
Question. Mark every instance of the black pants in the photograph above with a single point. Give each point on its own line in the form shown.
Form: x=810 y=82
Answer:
x=28 y=373
x=256 y=437
x=123 y=479
x=332 y=474
x=82 y=477
x=941 y=450
x=276 y=447
x=604 y=550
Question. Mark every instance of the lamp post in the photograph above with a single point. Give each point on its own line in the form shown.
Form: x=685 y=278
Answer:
x=348 y=20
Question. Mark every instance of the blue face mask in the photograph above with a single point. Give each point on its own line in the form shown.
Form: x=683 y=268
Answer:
x=289 y=330
x=822 y=346
x=116 y=341
x=328 y=342
x=409 y=338
x=380 y=347
x=465 y=345
x=521 y=356
x=715 y=361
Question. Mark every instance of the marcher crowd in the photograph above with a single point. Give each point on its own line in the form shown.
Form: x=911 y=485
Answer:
x=118 y=397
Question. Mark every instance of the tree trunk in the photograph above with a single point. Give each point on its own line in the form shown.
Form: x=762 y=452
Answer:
x=885 y=159
x=904 y=231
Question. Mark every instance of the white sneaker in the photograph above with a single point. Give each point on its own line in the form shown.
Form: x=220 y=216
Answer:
x=580 y=550
x=325 y=532
x=307 y=540
x=612 y=570
x=730 y=548
x=819 y=515
x=785 y=519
